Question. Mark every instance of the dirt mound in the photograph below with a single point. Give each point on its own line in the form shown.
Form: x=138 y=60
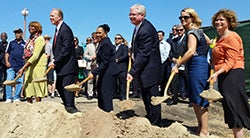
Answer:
x=49 y=119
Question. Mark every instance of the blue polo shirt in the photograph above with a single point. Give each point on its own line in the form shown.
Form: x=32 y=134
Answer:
x=15 y=50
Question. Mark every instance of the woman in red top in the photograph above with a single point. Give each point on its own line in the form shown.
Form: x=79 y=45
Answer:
x=228 y=61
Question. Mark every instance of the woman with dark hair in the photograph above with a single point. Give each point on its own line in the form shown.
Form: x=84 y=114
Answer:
x=228 y=61
x=106 y=70
x=35 y=65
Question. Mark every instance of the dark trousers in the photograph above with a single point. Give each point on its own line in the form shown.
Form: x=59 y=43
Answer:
x=67 y=97
x=121 y=84
x=153 y=112
x=105 y=90
x=179 y=84
x=3 y=76
x=183 y=79
x=166 y=70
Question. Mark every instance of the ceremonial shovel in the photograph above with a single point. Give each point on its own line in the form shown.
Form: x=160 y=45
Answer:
x=155 y=100
x=127 y=104
x=76 y=87
x=44 y=78
x=211 y=94
x=12 y=82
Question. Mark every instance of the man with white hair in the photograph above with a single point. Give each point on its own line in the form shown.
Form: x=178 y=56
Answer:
x=147 y=61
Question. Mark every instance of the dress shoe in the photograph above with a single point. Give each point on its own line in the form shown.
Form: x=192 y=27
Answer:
x=71 y=110
x=172 y=102
x=89 y=97
x=183 y=97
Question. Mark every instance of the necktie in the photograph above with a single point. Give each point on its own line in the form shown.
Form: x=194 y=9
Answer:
x=54 y=40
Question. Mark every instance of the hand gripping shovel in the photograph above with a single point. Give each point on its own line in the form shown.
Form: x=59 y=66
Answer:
x=44 y=76
x=155 y=100
x=12 y=82
x=211 y=94
x=76 y=87
x=127 y=104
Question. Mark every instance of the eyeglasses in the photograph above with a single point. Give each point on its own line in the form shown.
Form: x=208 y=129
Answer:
x=118 y=38
x=185 y=17
x=178 y=30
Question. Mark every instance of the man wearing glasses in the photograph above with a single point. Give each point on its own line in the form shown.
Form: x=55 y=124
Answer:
x=178 y=86
x=147 y=63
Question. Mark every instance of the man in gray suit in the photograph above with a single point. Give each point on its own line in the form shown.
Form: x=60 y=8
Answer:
x=147 y=64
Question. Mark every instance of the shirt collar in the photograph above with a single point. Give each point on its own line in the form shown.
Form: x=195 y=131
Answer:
x=59 y=25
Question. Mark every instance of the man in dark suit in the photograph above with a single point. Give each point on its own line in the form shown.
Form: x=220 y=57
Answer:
x=179 y=82
x=64 y=59
x=121 y=58
x=147 y=61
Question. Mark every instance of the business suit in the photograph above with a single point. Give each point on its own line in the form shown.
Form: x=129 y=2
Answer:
x=147 y=66
x=179 y=83
x=107 y=69
x=65 y=63
x=121 y=57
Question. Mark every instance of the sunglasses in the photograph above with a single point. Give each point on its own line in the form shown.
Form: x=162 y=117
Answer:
x=118 y=38
x=178 y=30
x=184 y=17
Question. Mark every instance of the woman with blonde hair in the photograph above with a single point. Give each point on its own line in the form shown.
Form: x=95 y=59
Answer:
x=197 y=66
x=35 y=65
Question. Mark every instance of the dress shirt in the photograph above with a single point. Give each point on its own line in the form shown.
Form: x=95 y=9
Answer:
x=164 y=49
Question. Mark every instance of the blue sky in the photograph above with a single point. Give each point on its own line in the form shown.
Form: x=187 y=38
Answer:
x=83 y=16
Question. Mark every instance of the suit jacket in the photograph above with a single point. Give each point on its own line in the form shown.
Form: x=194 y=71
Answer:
x=122 y=56
x=178 y=48
x=64 y=51
x=105 y=58
x=146 y=52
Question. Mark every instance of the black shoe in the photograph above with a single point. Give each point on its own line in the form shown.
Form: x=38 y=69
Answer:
x=71 y=110
x=89 y=97
x=135 y=96
x=172 y=102
x=183 y=97
x=123 y=98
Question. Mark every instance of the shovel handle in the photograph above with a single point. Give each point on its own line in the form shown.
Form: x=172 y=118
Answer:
x=85 y=80
x=170 y=79
x=47 y=71
x=168 y=83
x=128 y=82
x=18 y=76
x=211 y=82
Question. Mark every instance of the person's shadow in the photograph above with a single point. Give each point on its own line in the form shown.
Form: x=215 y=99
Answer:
x=126 y=114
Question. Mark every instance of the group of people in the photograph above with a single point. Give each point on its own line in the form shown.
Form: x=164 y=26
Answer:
x=153 y=60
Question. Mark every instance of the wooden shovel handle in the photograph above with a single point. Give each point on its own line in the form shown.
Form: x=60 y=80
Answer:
x=211 y=82
x=18 y=76
x=128 y=82
x=168 y=83
x=170 y=79
x=85 y=80
x=47 y=71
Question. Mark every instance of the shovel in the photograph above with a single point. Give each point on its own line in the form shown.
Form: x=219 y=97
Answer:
x=44 y=78
x=76 y=87
x=12 y=82
x=155 y=100
x=127 y=104
x=211 y=94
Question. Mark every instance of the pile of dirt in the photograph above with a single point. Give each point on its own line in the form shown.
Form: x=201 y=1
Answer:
x=49 y=119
